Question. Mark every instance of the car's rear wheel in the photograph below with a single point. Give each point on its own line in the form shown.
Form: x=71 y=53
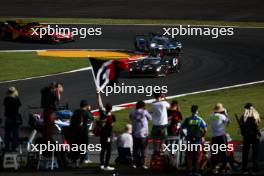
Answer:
x=7 y=36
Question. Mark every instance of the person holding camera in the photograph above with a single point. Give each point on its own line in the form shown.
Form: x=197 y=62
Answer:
x=51 y=96
x=219 y=119
x=160 y=121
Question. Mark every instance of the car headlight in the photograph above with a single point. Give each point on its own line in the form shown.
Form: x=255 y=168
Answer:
x=152 y=45
x=179 y=45
x=158 y=69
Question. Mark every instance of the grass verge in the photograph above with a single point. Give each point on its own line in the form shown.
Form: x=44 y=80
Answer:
x=233 y=99
x=29 y=64
x=140 y=21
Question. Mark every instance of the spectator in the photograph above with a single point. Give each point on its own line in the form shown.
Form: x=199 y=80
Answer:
x=219 y=119
x=251 y=136
x=107 y=118
x=51 y=134
x=49 y=128
x=79 y=125
x=160 y=121
x=204 y=159
x=58 y=92
x=125 y=146
x=50 y=96
x=232 y=163
x=13 y=119
x=49 y=131
x=196 y=130
x=139 y=118
x=174 y=117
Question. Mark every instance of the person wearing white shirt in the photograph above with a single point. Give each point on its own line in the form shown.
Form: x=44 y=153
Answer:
x=125 y=140
x=125 y=146
x=160 y=121
x=219 y=119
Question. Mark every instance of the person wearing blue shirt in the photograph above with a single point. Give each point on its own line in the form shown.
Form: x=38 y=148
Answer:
x=196 y=130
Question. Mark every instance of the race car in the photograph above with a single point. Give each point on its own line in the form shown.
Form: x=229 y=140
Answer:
x=154 y=66
x=156 y=43
x=22 y=31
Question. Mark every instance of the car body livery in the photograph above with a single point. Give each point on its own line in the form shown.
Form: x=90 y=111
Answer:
x=22 y=31
x=154 y=66
x=155 y=43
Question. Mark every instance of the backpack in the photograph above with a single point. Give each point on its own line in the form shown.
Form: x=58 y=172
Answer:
x=194 y=132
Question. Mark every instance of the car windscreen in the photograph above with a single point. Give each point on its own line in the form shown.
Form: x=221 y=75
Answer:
x=160 y=41
x=151 y=61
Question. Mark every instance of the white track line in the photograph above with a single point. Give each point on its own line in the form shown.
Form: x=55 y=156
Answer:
x=44 y=76
x=117 y=107
x=44 y=50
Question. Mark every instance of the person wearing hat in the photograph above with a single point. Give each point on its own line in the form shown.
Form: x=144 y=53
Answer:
x=251 y=135
x=13 y=118
x=219 y=119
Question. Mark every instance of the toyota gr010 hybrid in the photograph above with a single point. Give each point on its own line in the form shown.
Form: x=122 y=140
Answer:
x=154 y=66
x=22 y=31
x=155 y=43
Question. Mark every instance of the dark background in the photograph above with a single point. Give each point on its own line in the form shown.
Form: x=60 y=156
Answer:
x=228 y=10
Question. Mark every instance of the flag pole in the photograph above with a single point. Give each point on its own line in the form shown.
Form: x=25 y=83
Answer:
x=99 y=97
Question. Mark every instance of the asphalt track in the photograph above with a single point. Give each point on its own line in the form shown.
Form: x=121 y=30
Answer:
x=207 y=63
x=227 y=10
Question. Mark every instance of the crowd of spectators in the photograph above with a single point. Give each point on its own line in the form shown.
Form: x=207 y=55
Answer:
x=166 y=118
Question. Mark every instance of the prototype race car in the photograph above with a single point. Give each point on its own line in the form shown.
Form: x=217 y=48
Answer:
x=21 y=31
x=155 y=66
x=156 y=42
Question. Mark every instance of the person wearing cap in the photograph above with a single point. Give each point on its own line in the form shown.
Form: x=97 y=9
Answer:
x=13 y=118
x=251 y=136
x=125 y=146
x=196 y=131
x=219 y=119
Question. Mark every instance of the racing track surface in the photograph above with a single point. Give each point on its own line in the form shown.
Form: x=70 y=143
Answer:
x=207 y=63
x=227 y=10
